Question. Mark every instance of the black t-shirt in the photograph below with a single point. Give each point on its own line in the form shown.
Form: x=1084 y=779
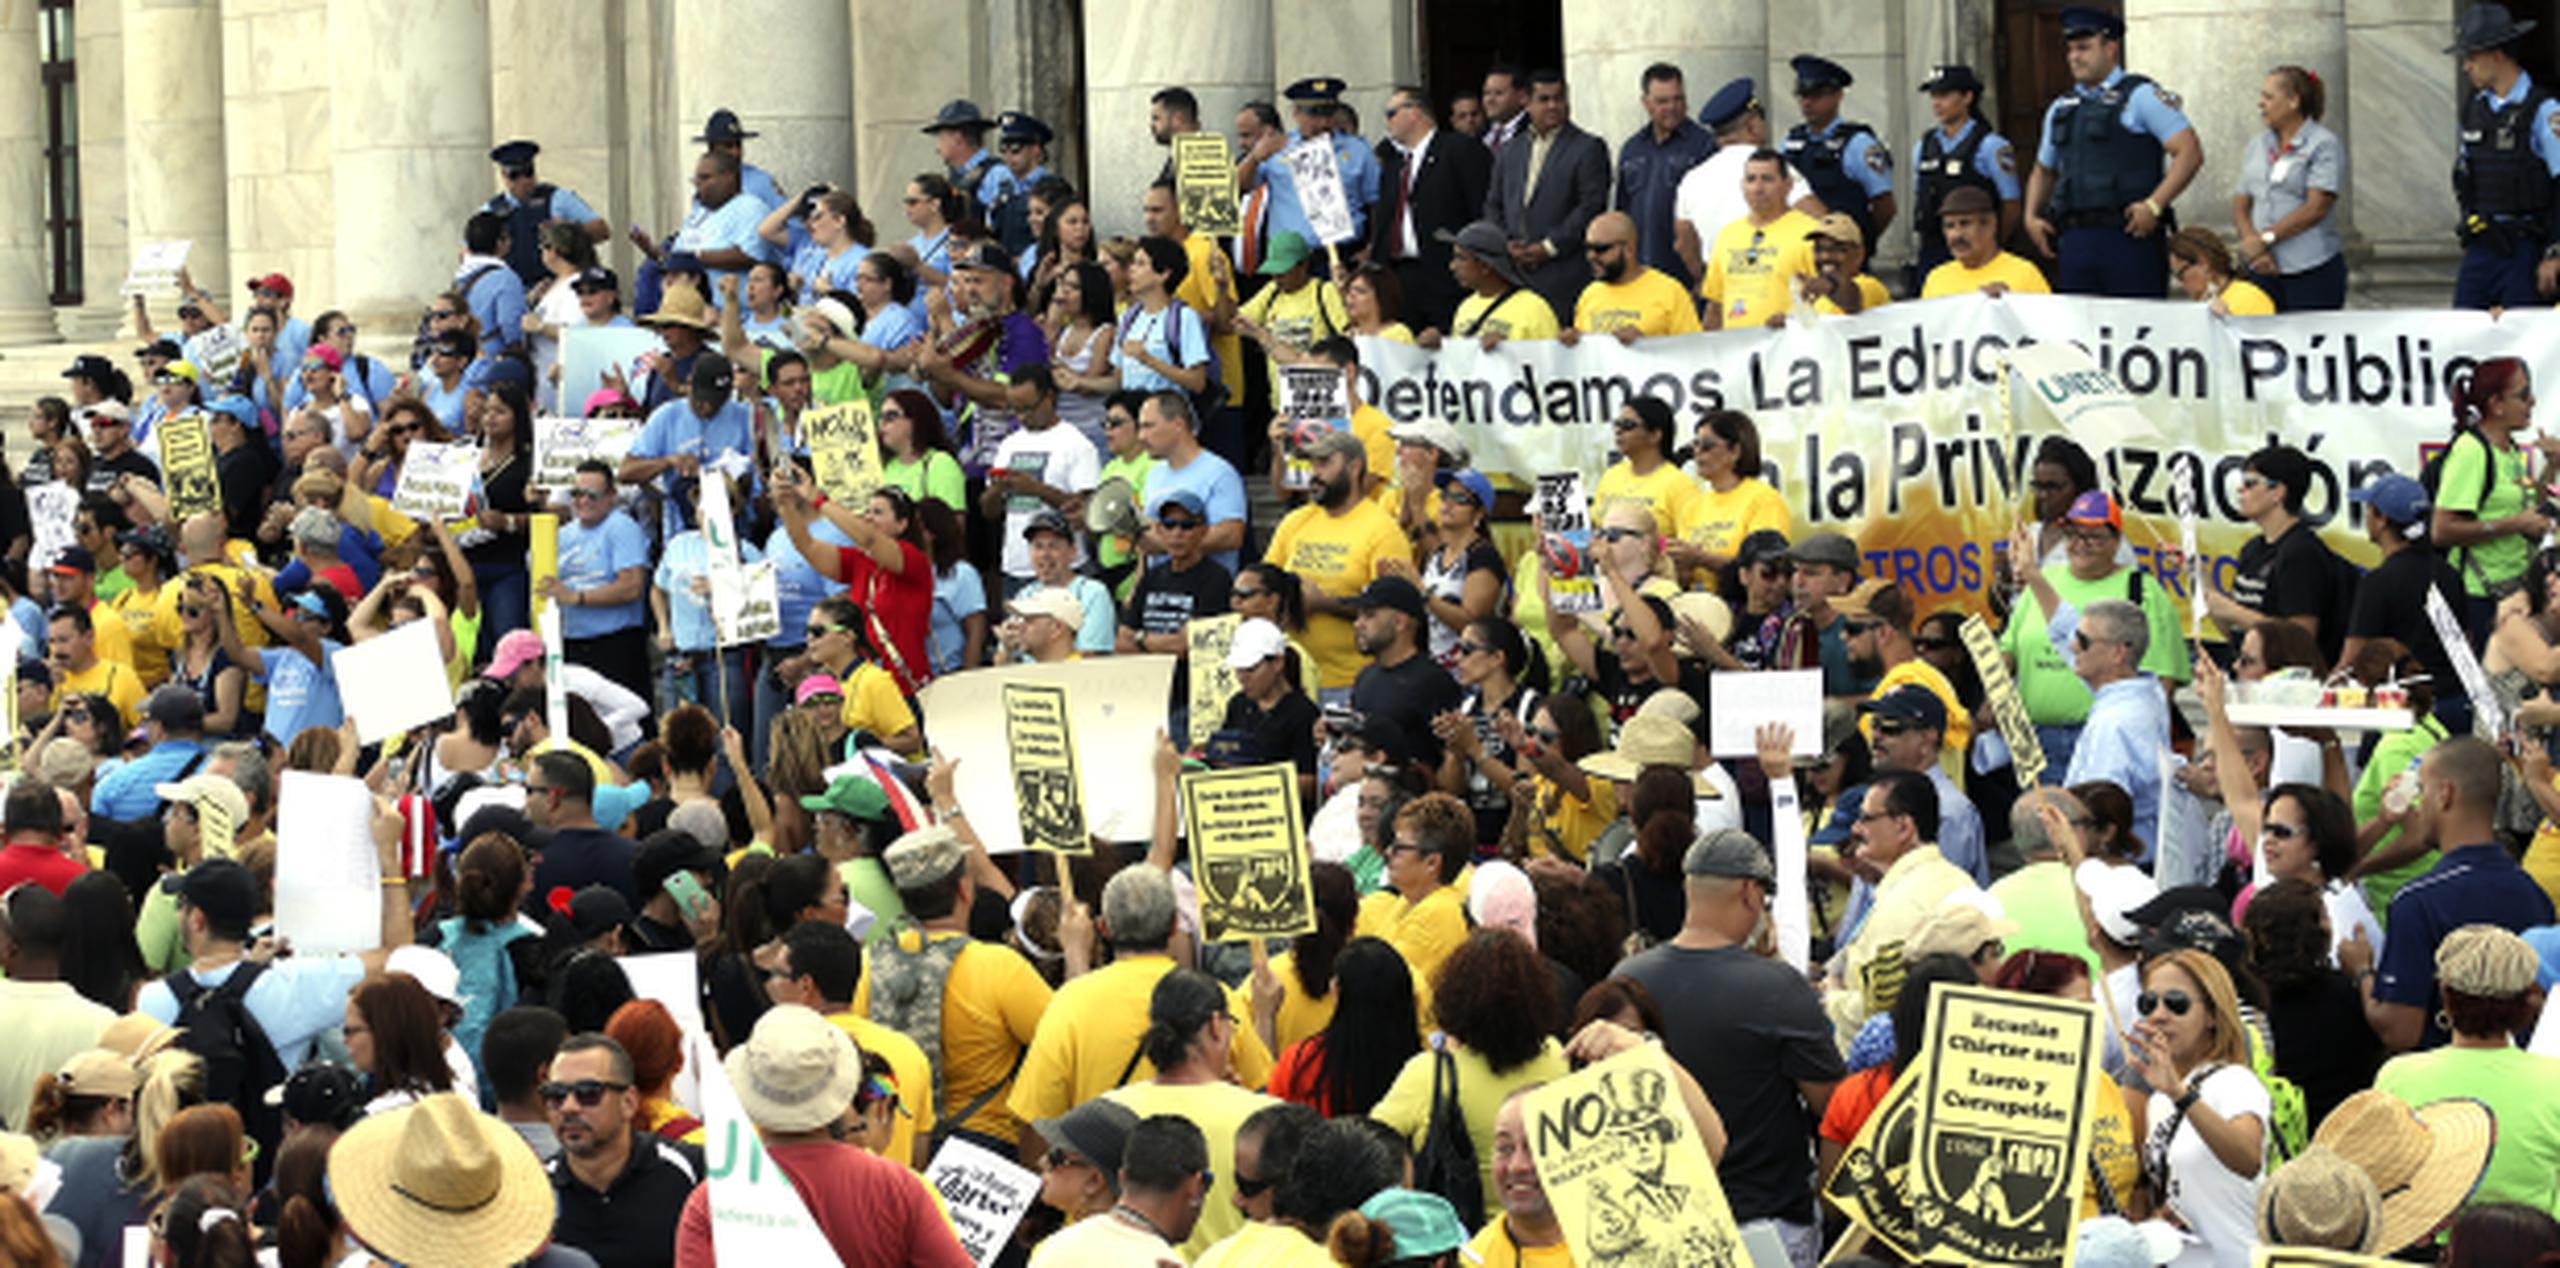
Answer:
x=1490 y=802
x=1625 y=695
x=1284 y=732
x=1163 y=600
x=2294 y=575
x=103 y=471
x=1754 y=640
x=243 y=475
x=504 y=489
x=633 y=1222
x=2391 y=602
x=2317 y=1044
x=1410 y=694
x=579 y=857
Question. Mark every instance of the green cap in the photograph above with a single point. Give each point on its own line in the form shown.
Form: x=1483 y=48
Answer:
x=1424 y=1223
x=1286 y=249
x=851 y=796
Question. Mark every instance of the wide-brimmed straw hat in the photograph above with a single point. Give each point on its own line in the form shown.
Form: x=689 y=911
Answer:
x=2424 y=1160
x=439 y=1184
x=2321 y=1201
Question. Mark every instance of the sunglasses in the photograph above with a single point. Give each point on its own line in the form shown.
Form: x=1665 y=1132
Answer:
x=190 y=611
x=1892 y=728
x=1059 y=1158
x=1545 y=734
x=1178 y=526
x=1471 y=648
x=2282 y=831
x=1249 y=1187
x=2148 y=1002
x=817 y=632
x=1936 y=644
x=1242 y=593
x=1619 y=534
x=590 y=1092
x=585 y=495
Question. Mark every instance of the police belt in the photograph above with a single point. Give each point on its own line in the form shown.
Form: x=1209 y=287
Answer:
x=2094 y=218
x=2501 y=233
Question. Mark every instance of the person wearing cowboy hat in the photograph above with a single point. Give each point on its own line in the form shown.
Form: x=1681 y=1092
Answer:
x=1754 y=263
x=1499 y=304
x=683 y=322
x=438 y=1184
x=796 y=1077
x=2487 y=978
x=959 y=133
x=721 y=134
x=2427 y=1161
x=2506 y=168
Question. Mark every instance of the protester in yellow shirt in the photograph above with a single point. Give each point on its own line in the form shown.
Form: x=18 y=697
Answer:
x=1296 y=311
x=78 y=669
x=148 y=558
x=1733 y=500
x=1499 y=304
x=1878 y=639
x=1420 y=913
x=1755 y=262
x=2202 y=268
x=1647 y=435
x=1840 y=285
x=819 y=967
x=1627 y=299
x=1972 y=224
x=1208 y=286
x=1333 y=545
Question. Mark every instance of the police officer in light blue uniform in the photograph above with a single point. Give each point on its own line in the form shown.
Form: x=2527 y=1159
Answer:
x=2099 y=198
x=1959 y=151
x=1314 y=101
x=1848 y=166
x=721 y=132
x=1022 y=143
x=529 y=203
x=2506 y=169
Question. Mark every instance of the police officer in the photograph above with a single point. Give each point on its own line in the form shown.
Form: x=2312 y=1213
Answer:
x=1651 y=163
x=959 y=135
x=2100 y=164
x=1848 y=166
x=1022 y=143
x=1959 y=152
x=2504 y=169
x=1313 y=103
x=722 y=132
x=529 y=203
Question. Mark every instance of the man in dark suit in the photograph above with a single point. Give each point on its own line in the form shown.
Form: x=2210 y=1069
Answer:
x=1548 y=183
x=1449 y=178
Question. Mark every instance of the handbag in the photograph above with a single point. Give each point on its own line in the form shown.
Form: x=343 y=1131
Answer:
x=1446 y=1163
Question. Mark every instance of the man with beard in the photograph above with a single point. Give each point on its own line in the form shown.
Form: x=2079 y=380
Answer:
x=1627 y=298
x=620 y=1190
x=1401 y=684
x=988 y=393
x=1970 y=221
x=1334 y=544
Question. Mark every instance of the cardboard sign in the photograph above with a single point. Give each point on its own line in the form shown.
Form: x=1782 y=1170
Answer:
x=1045 y=795
x=1318 y=176
x=328 y=887
x=394 y=682
x=1747 y=702
x=189 y=479
x=757 y=1217
x=542 y=556
x=560 y=444
x=436 y=480
x=1249 y=852
x=1624 y=1169
x=216 y=353
x=758 y=615
x=154 y=270
x=2026 y=752
x=984 y=1193
x=1116 y=704
x=2085 y=401
x=1204 y=183
x=844 y=450
x=588 y=352
x=1212 y=683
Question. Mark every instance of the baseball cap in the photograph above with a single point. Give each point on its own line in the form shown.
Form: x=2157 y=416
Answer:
x=1910 y=705
x=276 y=283
x=987 y=257
x=923 y=856
x=1330 y=441
x=1479 y=490
x=90 y=365
x=1256 y=640
x=513 y=651
x=220 y=888
x=1390 y=592
x=667 y=852
x=2095 y=507
x=1056 y=601
x=325 y=355
x=595 y=277
x=853 y=796
x=74 y=561
x=1431 y=433
x=817 y=685
x=1838 y=227
x=176 y=707
x=1186 y=501
x=431 y=969
x=714 y=375
x=321 y=1092
x=1730 y=852
x=1049 y=519
x=2114 y=893
x=2398 y=498
x=1097 y=1129
x=196 y=790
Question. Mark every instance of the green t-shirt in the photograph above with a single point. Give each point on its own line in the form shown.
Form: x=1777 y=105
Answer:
x=838 y=384
x=2522 y=1092
x=111 y=583
x=936 y=475
x=867 y=882
x=162 y=934
x=2053 y=694
x=2459 y=487
x=2042 y=900
x=2395 y=752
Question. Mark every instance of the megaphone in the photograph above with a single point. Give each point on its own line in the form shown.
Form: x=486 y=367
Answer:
x=1112 y=511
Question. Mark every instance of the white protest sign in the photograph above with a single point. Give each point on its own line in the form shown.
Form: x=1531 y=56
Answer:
x=155 y=267
x=673 y=979
x=2086 y=402
x=1563 y=517
x=756 y=1216
x=720 y=554
x=1318 y=176
x=560 y=444
x=216 y=354
x=758 y=614
x=1115 y=705
x=1746 y=702
x=984 y=1193
x=587 y=352
x=1314 y=392
x=52 y=507
x=393 y=682
x=2488 y=719
x=328 y=887
x=436 y=480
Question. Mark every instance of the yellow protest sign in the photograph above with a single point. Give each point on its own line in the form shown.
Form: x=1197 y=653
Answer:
x=1248 y=852
x=214 y=830
x=9 y=756
x=542 y=555
x=1212 y=683
x=2026 y=752
x=1204 y=180
x=844 y=450
x=187 y=464
x=1044 y=768
x=1624 y=1169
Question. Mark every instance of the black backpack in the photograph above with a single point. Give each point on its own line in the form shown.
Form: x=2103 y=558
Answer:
x=2431 y=475
x=240 y=1064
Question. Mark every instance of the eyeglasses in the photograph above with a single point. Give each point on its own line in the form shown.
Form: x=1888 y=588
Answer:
x=2088 y=536
x=2282 y=831
x=1059 y=1159
x=1892 y=728
x=1936 y=644
x=2177 y=1002
x=585 y=495
x=2255 y=481
x=1402 y=846
x=590 y=1092
x=1249 y=1187
x=1625 y=424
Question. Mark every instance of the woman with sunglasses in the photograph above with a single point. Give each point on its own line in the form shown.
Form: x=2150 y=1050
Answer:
x=1461 y=579
x=916 y=454
x=1647 y=468
x=2303 y=832
x=201 y=664
x=2203 y=269
x=1734 y=502
x=930 y=205
x=1504 y=678
x=440 y=382
x=840 y=646
x=2204 y=1150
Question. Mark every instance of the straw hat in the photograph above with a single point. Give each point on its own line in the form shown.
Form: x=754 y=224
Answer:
x=796 y=1072
x=2322 y=1201
x=1648 y=740
x=2425 y=1161
x=680 y=306
x=2486 y=961
x=139 y=1036
x=439 y=1183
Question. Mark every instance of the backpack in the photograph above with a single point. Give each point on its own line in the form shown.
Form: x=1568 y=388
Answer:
x=488 y=983
x=240 y=1064
x=1446 y=1162
x=2431 y=475
x=906 y=996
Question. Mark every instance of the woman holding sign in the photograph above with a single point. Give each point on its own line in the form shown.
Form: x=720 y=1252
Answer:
x=885 y=569
x=495 y=544
x=2206 y=1148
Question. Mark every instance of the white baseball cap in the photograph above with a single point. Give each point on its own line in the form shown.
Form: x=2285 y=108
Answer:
x=1256 y=641
x=431 y=969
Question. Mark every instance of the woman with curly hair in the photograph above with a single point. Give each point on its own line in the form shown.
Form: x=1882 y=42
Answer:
x=2315 y=1012
x=1492 y=999
x=648 y=1032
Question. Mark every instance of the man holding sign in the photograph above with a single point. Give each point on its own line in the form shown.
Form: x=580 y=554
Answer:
x=603 y=584
x=1315 y=102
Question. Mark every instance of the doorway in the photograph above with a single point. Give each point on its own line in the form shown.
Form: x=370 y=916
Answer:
x=1462 y=39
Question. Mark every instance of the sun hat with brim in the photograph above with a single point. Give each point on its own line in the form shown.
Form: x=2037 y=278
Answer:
x=1960 y=924
x=680 y=306
x=2425 y=1160
x=1489 y=245
x=2321 y=1201
x=2487 y=961
x=1423 y=1223
x=796 y=1072
x=1709 y=612
x=138 y=1037
x=439 y=1184
x=1648 y=740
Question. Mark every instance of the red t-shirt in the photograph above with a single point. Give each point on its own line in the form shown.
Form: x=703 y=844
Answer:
x=874 y=1212
x=1853 y=1100
x=42 y=864
x=1298 y=1076
x=900 y=603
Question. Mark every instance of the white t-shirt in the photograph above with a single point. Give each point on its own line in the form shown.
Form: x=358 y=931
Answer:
x=2219 y=1206
x=1710 y=196
x=1059 y=457
x=559 y=307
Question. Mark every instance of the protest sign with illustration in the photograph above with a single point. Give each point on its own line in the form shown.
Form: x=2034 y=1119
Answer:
x=1248 y=852
x=52 y=509
x=1313 y=399
x=1317 y=172
x=560 y=444
x=1212 y=683
x=2000 y=692
x=844 y=450
x=189 y=478
x=1116 y=707
x=155 y=266
x=1204 y=184
x=758 y=614
x=1563 y=521
x=1045 y=795
x=436 y=480
x=1624 y=1169
x=983 y=1192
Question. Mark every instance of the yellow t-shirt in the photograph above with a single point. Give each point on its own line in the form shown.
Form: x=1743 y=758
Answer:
x=1218 y=1110
x=992 y=1002
x=1197 y=286
x=1495 y=1247
x=1717 y=522
x=1395 y=332
x=1751 y=271
x=1957 y=739
x=872 y=702
x=1871 y=296
x=1301 y=1014
x=110 y=636
x=1407 y=1105
x=1091 y=1030
x=1953 y=278
x=1670 y=491
x=241 y=585
x=1424 y=932
x=1266 y=1246
x=1300 y=319
x=1651 y=302
x=2244 y=299
x=137 y=614
x=909 y=1072
x=1521 y=315
x=113 y=679
x=1337 y=554
x=1378 y=449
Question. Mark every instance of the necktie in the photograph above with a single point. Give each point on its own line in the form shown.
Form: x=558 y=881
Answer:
x=1405 y=245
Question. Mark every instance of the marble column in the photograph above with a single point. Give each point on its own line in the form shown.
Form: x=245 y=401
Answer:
x=2241 y=40
x=1133 y=48
x=1607 y=46
x=1371 y=45
x=2399 y=126
x=907 y=60
x=411 y=153
x=174 y=162
x=26 y=312
x=104 y=249
x=792 y=91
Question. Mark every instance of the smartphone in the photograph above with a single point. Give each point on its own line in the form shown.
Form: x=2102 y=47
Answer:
x=691 y=898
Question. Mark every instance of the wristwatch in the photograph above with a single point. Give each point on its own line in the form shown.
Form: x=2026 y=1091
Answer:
x=2267 y=236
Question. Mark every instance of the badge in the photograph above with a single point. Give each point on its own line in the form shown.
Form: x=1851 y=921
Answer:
x=2554 y=117
x=2169 y=99
x=2008 y=161
x=2276 y=173
x=1879 y=161
x=1955 y=167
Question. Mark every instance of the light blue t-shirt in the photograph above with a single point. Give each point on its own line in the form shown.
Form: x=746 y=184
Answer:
x=445 y=405
x=686 y=558
x=759 y=182
x=1991 y=160
x=1208 y=478
x=890 y=328
x=1174 y=336
x=811 y=262
x=2144 y=112
x=495 y=296
x=733 y=224
x=1359 y=170
x=589 y=560
x=2277 y=179
x=300 y=695
x=796 y=586
x=295 y=1001
x=957 y=595
x=31 y=623
x=362 y=376
x=675 y=429
x=932 y=252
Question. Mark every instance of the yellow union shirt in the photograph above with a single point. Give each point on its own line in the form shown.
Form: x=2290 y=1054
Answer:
x=1339 y=555
x=1953 y=278
x=1750 y=271
x=1717 y=522
x=1520 y=315
x=1650 y=302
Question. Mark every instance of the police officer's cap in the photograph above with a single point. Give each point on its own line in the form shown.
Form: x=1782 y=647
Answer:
x=959 y=113
x=515 y=154
x=2487 y=26
x=1014 y=125
x=1818 y=74
x=1316 y=90
x=2080 y=19
x=1731 y=102
x=1956 y=77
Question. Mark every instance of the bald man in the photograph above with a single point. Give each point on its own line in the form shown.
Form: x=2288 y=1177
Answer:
x=1626 y=298
x=200 y=546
